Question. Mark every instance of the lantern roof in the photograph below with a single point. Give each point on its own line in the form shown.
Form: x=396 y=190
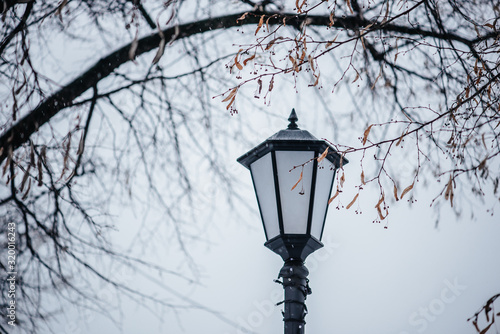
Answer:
x=291 y=138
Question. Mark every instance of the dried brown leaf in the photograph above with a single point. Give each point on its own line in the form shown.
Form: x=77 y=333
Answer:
x=365 y=29
x=317 y=80
x=300 y=179
x=485 y=329
x=357 y=77
x=66 y=152
x=238 y=65
x=236 y=62
x=386 y=13
x=334 y=196
x=230 y=103
x=242 y=17
x=271 y=84
x=133 y=47
x=294 y=63
x=331 y=42
x=311 y=62
x=40 y=172
x=400 y=139
x=261 y=22
x=449 y=189
x=175 y=35
x=271 y=43
x=303 y=55
x=267 y=22
x=6 y=166
x=231 y=94
x=376 y=79
x=396 y=193
x=25 y=178
x=60 y=8
x=332 y=22
x=247 y=60
x=323 y=155
x=27 y=190
x=366 y=133
x=352 y=202
x=159 y=53
x=299 y=7
x=382 y=217
x=303 y=3
x=362 y=39
x=406 y=190
x=363 y=177
x=32 y=154
x=257 y=93
x=349 y=6
x=380 y=201
x=482 y=165
x=474 y=322
x=18 y=90
x=81 y=145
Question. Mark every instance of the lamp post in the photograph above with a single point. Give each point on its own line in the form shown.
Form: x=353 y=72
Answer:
x=293 y=174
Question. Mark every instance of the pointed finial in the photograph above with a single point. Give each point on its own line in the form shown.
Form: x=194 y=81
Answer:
x=292 y=119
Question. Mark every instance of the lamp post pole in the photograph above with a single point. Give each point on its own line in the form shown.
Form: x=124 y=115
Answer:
x=295 y=284
x=293 y=174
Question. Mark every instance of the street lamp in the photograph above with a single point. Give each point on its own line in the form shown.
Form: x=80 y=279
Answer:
x=293 y=174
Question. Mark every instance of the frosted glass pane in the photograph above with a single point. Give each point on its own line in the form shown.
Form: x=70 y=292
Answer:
x=324 y=179
x=294 y=203
x=262 y=174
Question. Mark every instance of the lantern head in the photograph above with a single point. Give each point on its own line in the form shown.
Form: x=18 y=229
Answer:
x=293 y=174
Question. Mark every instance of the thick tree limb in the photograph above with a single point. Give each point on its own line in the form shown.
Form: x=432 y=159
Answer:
x=20 y=132
x=18 y=28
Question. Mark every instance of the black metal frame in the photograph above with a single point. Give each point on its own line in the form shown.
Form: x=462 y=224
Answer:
x=296 y=246
x=277 y=194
